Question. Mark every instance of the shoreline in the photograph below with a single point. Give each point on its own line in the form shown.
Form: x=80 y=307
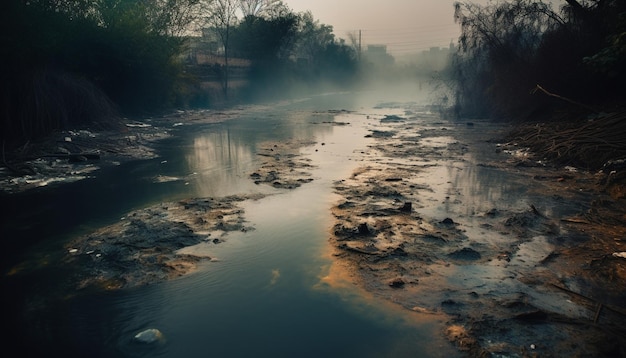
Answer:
x=532 y=274
x=509 y=278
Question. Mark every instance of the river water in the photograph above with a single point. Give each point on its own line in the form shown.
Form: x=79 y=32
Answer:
x=263 y=296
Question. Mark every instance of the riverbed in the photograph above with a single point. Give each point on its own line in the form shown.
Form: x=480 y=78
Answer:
x=261 y=293
x=342 y=225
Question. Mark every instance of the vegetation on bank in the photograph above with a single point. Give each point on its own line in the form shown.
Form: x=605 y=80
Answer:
x=523 y=61
x=87 y=62
x=507 y=49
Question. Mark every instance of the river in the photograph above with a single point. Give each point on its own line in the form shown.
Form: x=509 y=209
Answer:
x=264 y=294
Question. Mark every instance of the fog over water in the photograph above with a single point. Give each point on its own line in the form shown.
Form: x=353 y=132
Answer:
x=263 y=294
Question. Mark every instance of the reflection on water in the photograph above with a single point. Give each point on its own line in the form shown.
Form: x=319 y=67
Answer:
x=218 y=161
x=262 y=296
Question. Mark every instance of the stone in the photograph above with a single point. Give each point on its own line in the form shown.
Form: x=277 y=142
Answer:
x=149 y=336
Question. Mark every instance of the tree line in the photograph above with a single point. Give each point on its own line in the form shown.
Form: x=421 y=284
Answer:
x=66 y=63
x=524 y=59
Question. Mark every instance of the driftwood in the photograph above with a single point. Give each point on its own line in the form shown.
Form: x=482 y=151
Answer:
x=599 y=306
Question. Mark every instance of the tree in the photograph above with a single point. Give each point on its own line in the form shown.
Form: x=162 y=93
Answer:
x=263 y=8
x=72 y=62
x=497 y=49
x=507 y=49
x=313 y=37
x=326 y=57
x=172 y=17
x=265 y=40
x=221 y=17
x=268 y=44
x=355 y=42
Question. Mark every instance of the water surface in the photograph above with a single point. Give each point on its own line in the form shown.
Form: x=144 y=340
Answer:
x=263 y=295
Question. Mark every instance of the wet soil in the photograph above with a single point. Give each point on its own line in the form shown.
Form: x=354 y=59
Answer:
x=283 y=166
x=513 y=280
x=142 y=248
x=73 y=155
x=146 y=246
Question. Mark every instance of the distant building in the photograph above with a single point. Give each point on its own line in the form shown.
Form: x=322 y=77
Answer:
x=435 y=58
x=207 y=50
x=377 y=55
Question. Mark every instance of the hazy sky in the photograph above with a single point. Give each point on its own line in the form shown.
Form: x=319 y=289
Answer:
x=405 y=26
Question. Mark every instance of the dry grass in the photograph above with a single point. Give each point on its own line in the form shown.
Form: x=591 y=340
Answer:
x=589 y=145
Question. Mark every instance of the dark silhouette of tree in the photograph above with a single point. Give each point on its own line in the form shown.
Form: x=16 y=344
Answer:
x=221 y=17
x=265 y=41
x=497 y=45
x=506 y=49
x=312 y=39
x=68 y=63
x=263 y=8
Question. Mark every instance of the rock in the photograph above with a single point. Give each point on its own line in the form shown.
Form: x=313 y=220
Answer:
x=407 y=207
x=536 y=315
x=364 y=229
x=63 y=150
x=392 y=118
x=447 y=221
x=492 y=212
x=149 y=336
x=346 y=204
x=398 y=251
x=77 y=158
x=465 y=253
x=396 y=283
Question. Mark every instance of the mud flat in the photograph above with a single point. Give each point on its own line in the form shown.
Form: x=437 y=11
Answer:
x=144 y=247
x=515 y=276
x=155 y=243
x=73 y=155
x=158 y=243
x=523 y=259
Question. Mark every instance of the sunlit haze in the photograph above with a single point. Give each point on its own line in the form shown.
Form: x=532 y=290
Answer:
x=405 y=26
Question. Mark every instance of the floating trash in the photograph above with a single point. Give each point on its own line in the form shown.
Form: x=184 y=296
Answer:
x=149 y=336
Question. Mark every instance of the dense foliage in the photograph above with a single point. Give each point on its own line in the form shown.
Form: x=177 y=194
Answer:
x=288 y=52
x=576 y=55
x=69 y=63
x=79 y=61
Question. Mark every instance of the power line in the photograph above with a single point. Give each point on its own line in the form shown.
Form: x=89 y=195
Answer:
x=408 y=39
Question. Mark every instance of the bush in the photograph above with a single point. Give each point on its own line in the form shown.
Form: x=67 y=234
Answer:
x=507 y=49
x=81 y=62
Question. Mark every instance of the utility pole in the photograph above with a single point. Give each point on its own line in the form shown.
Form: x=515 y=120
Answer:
x=359 y=45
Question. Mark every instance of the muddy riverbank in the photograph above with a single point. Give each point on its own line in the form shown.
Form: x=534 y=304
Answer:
x=146 y=245
x=440 y=218
x=73 y=155
x=535 y=273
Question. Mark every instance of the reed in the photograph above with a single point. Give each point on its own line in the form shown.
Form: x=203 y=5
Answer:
x=37 y=103
x=589 y=145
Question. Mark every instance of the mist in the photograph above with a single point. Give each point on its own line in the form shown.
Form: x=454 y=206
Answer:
x=97 y=64
x=212 y=171
x=82 y=63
